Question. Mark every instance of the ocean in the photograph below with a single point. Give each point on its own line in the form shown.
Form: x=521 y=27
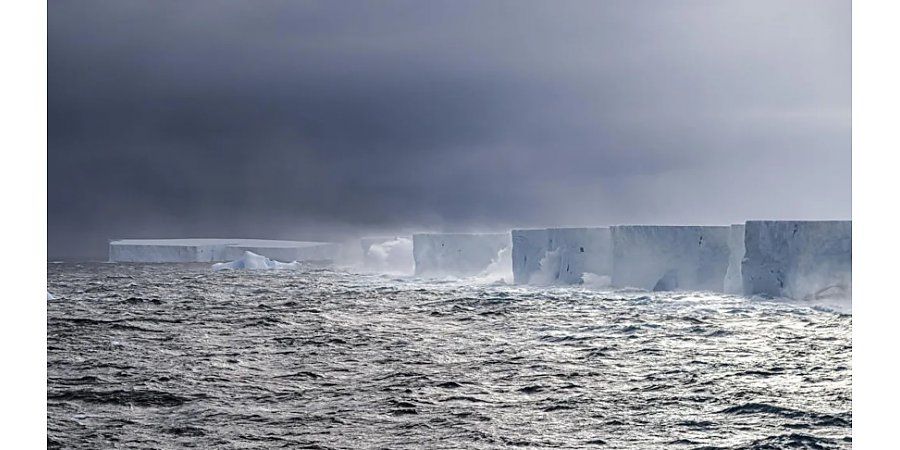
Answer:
x=175 y=355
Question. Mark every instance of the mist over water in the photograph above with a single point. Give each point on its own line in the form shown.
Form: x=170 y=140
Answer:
x=163 y=356
x=549 y=269
x=500 y=270
x=392 y=256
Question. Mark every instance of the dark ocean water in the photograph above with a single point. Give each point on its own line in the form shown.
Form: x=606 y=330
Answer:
x=174 y=356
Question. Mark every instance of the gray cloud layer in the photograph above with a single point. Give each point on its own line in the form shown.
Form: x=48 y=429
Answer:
x=290 y=119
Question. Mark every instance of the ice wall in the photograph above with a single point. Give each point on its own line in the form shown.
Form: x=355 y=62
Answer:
x=734 y=283
x=560 y=255
x=529 y=247
x=216 y=250
x=798 y=259
x=664 y=258
x=459 y=255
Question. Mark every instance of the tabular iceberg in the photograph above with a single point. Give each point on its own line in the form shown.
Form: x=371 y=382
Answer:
x=252 y=261
x=734 y=283
x=560 y=255
x=798 y=259
x=459 y=255
x=665 y=258
x=216 y=250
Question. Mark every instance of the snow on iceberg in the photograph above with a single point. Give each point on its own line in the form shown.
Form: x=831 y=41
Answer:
x=456 y=254
x=802 y=260
x=665 y=258
x=216 y=250
x=561 y=255
x=252 y=261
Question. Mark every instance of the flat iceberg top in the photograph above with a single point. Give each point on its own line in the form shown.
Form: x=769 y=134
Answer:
x=217 y=241
x=559 y=229
x=464 y=235
x=785 y=222
x=671 y=227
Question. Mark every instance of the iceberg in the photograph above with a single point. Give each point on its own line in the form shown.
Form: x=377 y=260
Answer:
x=561 y=255
x=217 y=250
x=392 y=255
x=456 y=254
x=666 y=258
x=252 y=261
x=802 y=260
x=734 y=283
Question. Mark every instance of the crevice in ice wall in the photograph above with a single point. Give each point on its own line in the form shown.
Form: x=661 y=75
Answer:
x=669 y=282
x=734 y=283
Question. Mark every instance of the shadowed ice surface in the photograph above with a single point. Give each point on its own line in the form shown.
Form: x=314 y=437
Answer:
x=170 y=356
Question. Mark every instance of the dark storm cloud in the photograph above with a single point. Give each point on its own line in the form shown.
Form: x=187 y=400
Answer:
x=317 y=119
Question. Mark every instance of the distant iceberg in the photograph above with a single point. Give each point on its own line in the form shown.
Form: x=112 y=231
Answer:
x=252 y=261
x=217 y=250
x=50 y=296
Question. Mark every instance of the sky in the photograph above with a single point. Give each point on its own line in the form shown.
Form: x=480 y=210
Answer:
x=322 y=120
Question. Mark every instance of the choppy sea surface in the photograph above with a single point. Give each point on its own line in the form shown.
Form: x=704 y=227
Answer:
x=175 y=356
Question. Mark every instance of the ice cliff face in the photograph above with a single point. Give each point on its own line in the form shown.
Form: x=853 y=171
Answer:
x=664 y=258
x=798 y=259
x=214 y=250
x=458 y=255
x=167 y=250
x=733 y=279
x=560 y=255
x=529 y=247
